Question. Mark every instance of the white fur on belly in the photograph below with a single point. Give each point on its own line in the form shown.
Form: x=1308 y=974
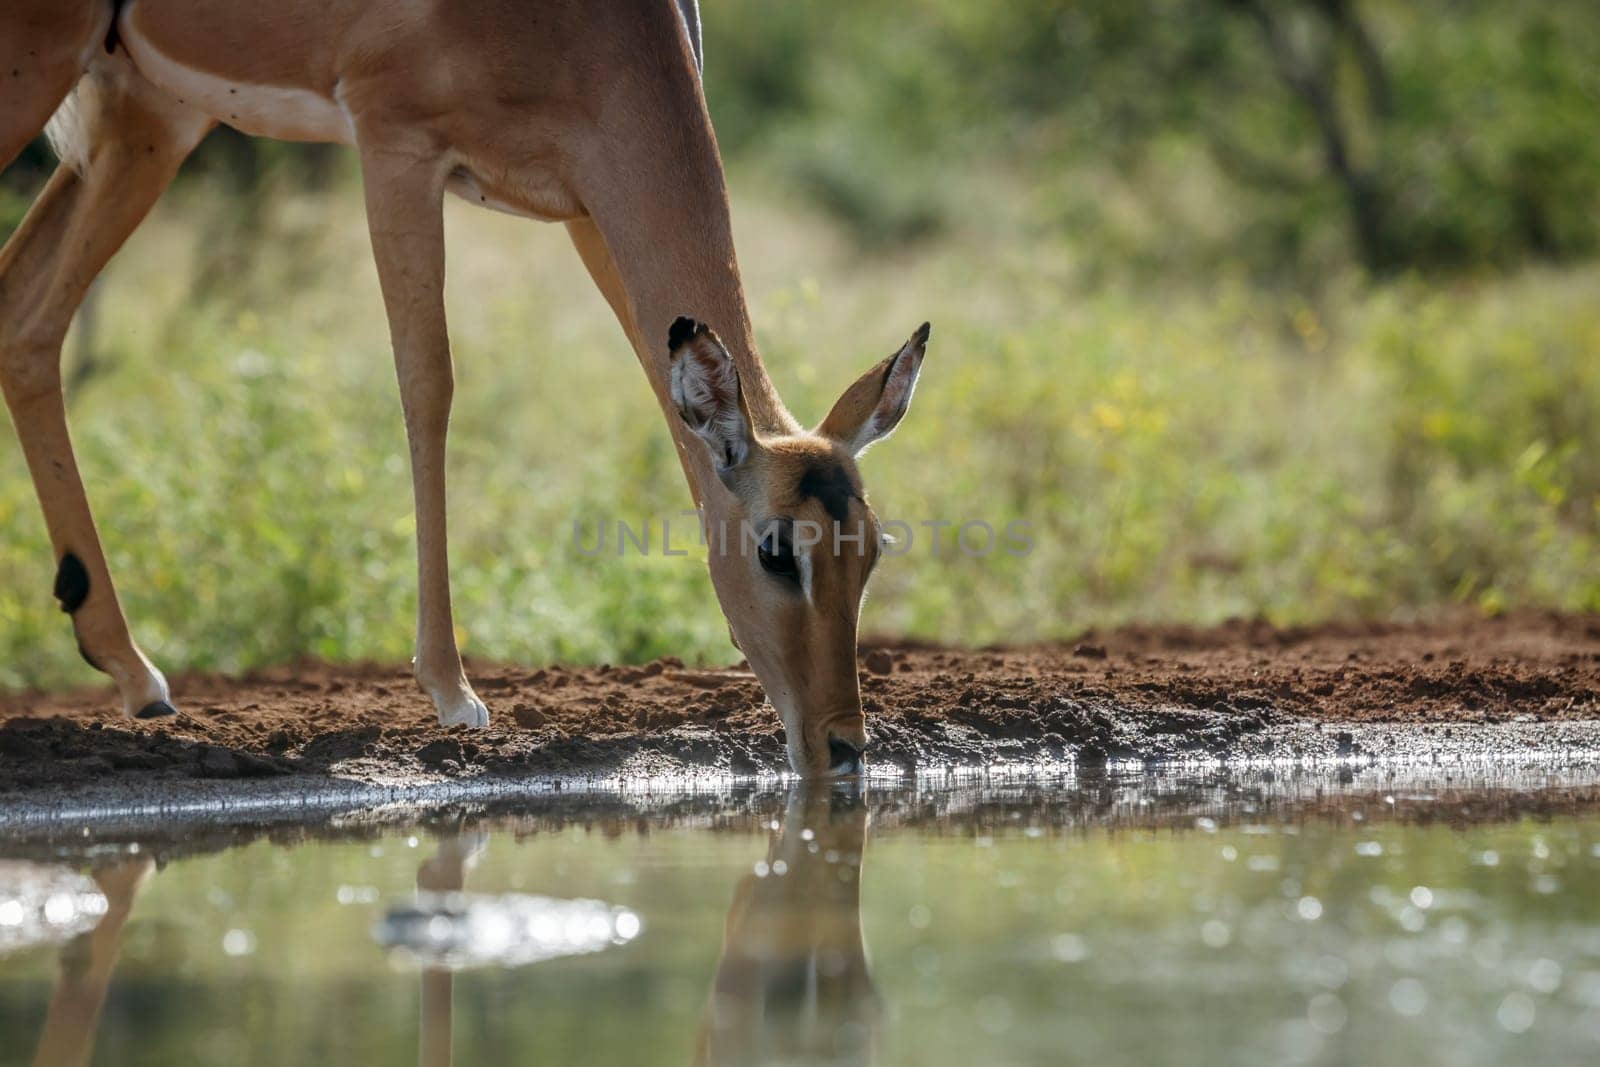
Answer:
x=261 y=110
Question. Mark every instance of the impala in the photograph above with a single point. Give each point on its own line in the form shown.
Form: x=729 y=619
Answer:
x=794 y=984
x=586 y=112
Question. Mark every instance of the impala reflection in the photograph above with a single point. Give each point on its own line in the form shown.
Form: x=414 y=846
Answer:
x=793 y=984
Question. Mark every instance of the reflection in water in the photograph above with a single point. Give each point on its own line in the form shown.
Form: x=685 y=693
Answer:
x=1234 y=918
x=86 y=963
x=448 y=929
x=44 y=905
x=793 y=984
x=445 y=871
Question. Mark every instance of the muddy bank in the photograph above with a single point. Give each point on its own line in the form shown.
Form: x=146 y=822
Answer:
x=1154 y=693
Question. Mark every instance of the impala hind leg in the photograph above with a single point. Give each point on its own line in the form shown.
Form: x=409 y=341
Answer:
x=405 y=213
x=133 y=142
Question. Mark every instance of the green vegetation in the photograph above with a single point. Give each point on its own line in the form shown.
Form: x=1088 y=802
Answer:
x=1206 y=399
x=1179 y=134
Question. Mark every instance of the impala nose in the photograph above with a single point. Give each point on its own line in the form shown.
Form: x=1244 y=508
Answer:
x=843 y=757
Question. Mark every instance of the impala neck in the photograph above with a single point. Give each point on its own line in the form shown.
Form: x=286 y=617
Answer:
x=665 y=224
x=676 y=266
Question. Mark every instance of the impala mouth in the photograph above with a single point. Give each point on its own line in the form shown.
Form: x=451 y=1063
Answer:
x=843 y=758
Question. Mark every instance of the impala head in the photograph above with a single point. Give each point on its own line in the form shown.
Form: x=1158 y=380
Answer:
x=793 y=540
x=793 y=984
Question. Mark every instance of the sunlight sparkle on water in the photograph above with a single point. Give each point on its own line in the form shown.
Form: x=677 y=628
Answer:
x=460 y=930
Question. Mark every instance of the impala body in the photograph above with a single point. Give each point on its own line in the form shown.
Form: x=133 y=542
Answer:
x=585 y=112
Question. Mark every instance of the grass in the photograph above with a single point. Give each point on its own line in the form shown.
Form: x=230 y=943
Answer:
x=1192 y=451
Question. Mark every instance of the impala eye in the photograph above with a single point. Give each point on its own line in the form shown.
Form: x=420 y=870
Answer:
x=777 y=556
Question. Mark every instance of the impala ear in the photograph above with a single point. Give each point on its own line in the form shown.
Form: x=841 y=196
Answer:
x=871 y=408
x=705 y=390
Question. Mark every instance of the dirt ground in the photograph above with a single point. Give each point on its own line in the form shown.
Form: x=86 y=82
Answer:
x=1136 y=693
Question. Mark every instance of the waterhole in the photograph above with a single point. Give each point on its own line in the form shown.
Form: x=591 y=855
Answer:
x=1230 y=917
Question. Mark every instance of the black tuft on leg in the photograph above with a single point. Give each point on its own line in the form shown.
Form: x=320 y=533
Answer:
x=72 y=583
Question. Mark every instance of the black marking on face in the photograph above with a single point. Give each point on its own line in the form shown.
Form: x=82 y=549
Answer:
x=72 y=583
x=831 y=486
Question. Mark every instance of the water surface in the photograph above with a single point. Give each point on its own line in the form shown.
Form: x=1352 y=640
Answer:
x=1226 y=918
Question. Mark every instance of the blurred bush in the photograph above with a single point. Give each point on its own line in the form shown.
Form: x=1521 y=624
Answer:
x=1445 y=134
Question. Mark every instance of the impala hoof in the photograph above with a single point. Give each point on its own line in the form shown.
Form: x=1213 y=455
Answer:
x=462 y=709
x=158 y=709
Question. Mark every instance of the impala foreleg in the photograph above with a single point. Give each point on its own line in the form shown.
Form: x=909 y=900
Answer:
x=133 y=143
x=404 y=193
x=72 y=1021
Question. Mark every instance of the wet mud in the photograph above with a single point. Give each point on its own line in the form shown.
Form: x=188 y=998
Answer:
x=1245 y=690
